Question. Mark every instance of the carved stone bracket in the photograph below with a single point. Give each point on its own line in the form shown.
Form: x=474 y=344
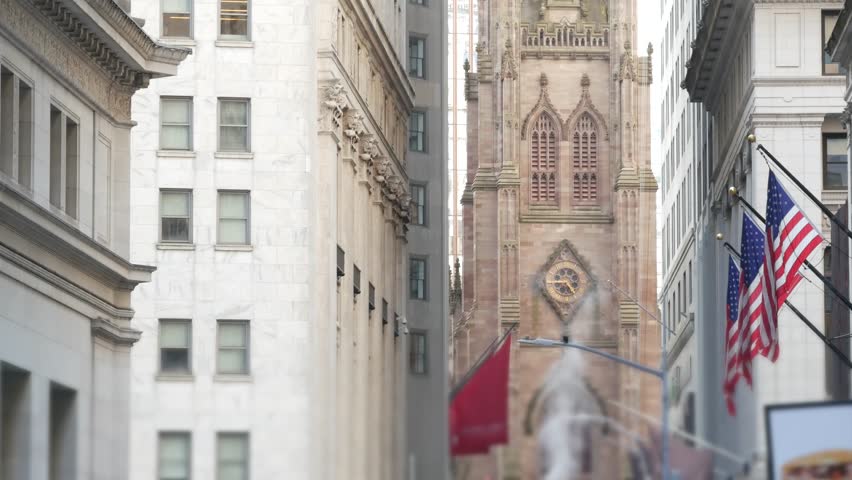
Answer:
x=336 y=103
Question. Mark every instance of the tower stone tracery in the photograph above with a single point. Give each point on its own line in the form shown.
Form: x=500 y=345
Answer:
x=560 y=200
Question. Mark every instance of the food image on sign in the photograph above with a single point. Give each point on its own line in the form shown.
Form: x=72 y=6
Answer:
x=827 y=464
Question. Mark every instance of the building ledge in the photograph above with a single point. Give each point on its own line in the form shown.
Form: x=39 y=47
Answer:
x=175 y=377
x=235 y=43
x=176 y=246
x=234 y=248
x=176 y=153
x=234 y=155
x=226 y=378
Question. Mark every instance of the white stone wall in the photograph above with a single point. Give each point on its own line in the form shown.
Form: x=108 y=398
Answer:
x=268 y=284
x=785 y=104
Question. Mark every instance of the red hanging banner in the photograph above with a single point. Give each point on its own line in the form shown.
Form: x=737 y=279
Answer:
x=479 y=413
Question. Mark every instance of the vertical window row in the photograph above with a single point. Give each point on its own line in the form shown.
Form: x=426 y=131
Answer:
x=416 y=56
x=175 y=456
x=177 y=19
x=544 y=162
x=16 y=128
x=585 y=160
x=417 y=352
x=64 y=161
x=418 y=204
x=417 y=278
x=417 y=132
x=233 y=221
x=232 y=347
x=233 y=129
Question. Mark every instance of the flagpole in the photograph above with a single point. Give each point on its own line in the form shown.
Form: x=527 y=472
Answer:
x=811 y=267
x=804 y=189
x=801 y=316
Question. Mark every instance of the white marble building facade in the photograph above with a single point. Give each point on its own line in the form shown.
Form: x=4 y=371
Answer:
x=68 y=70
x=775 y=82
x=269 y=189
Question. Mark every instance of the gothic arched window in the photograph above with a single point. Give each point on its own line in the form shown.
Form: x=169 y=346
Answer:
x=544 y=162
x=585 y=159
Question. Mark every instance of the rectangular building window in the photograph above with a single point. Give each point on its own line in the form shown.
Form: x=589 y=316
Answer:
x=174 y=456
x=63 y=432
x=835 y=160
x=233 y=19
x=176 y=216
x=417 y=278
x=175 y=346
x=64 y=154
x=829 y=20
x=16 y=128
x=233 y=348
x=417 y=132
x=234 y=118
x=417 y=2
x=356 y=280
x=416 y=56
x=232 y=456
x=384 y=312
x=418 y=204
x=233 y=218
x=341 y=263
x=177 y=19
x=371 y=298
x=417 y=352
x=176 y=123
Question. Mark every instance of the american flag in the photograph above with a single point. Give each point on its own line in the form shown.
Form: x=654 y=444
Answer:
x=732 y=328
x=793 y=236
x=755 y=335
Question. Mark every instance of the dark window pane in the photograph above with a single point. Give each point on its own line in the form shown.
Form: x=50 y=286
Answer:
x=174 y=360
x=175 y=230
x=835 y=167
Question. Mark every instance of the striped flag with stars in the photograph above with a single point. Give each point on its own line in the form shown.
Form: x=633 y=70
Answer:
x=732 y=329
x=793 y=239
x=755 y=303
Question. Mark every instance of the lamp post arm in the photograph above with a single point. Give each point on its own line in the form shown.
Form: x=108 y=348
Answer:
x=542 y=342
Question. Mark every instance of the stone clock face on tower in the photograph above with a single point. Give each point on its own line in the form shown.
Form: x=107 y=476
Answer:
x=565 y=282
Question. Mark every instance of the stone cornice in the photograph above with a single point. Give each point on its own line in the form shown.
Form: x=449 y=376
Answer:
x=56 y=282
x=718 y=27
x=33 y=222
x=362 y=142
x=125 y=67
x=839 y=46
x=109 y=331
x=383 y=48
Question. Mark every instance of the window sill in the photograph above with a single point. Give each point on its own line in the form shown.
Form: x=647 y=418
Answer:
x=234 y=155
x=175 y=377
x=233 y=378
x=234 y=248
x=175 y=246
x=177 y=41
x=176 y=153
x=235 y=43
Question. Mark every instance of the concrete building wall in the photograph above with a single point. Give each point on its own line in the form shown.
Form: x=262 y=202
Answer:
x=427 y=392
x=265 y=282
x=324 y=396
x=65 y=277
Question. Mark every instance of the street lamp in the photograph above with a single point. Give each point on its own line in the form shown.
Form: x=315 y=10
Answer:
x=661 y=373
